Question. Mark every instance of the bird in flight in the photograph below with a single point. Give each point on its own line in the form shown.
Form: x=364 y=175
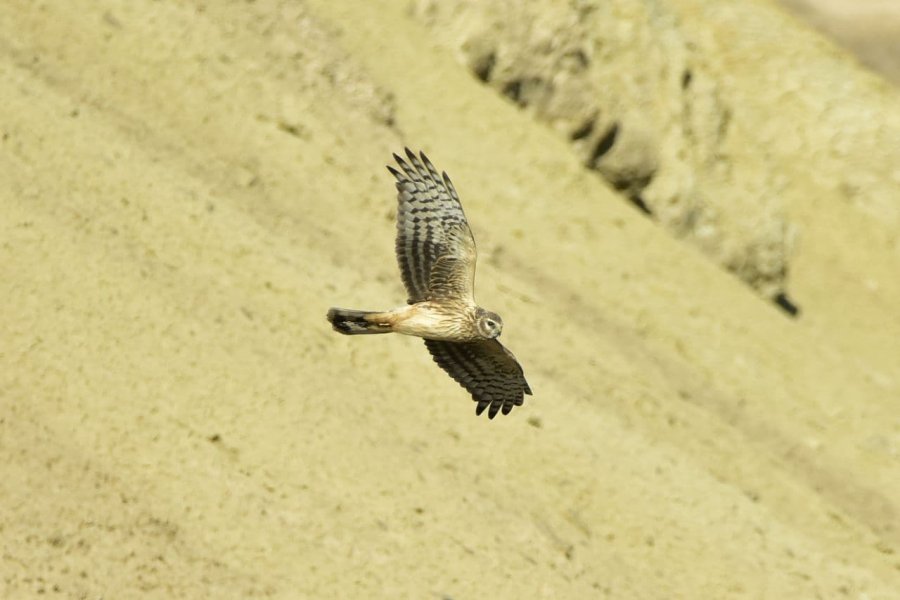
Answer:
x=436 y=253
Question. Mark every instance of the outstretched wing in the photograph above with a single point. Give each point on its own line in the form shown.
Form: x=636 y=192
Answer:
x=486 y=369
x=435 y=247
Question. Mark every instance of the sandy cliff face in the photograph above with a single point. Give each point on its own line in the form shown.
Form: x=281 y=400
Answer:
x=868 y=28
x=643 y=104
x=686 y=109
x=189 y=186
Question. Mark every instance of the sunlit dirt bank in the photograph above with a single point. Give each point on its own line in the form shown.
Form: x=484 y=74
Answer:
x=187 y=187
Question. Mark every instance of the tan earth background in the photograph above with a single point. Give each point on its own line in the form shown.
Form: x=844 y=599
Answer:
x=688 y=215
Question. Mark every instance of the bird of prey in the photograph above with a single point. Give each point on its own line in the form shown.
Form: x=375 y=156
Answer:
x=436 y=253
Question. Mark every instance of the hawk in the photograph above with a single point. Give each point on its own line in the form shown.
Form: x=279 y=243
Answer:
x=436 y=253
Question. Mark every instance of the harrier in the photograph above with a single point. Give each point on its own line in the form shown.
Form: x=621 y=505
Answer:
x=436 y=252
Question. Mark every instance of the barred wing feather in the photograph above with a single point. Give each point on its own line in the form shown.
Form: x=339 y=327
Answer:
x=486 y=369
x=432 y=231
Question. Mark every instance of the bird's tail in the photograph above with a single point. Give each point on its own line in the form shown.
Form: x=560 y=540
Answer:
x=356 y=322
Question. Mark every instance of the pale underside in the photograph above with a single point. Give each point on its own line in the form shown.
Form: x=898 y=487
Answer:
x=446 y=321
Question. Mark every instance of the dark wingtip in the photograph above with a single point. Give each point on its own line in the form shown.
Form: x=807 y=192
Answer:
x=480 y=408
x=431 y=170
x=412 y=155
x=394 y=171
x=447 y=181
x=397 y=158
x=493 y=412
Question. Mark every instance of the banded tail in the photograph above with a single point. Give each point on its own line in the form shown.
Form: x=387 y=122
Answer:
x=356 y=322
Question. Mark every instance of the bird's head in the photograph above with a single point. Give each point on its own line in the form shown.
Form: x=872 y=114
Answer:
x=489 y=324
